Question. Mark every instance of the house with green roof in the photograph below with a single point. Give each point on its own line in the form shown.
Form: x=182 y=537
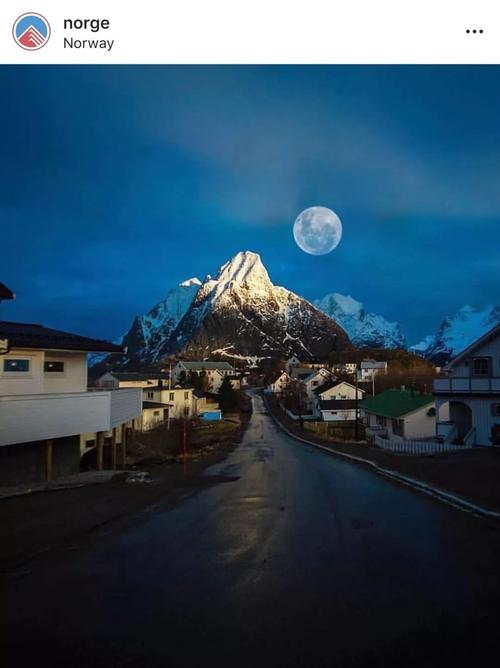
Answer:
x=400 y=415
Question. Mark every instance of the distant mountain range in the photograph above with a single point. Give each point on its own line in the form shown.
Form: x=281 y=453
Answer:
x=241 y=314
x=457 y=332
x=364 y=329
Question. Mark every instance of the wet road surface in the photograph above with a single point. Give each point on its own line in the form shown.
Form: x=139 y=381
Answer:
x=303 y=560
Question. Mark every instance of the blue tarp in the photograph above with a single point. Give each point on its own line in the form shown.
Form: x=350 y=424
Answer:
x=211 y=415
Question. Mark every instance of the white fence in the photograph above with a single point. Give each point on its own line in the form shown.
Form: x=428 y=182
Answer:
x=417 y=447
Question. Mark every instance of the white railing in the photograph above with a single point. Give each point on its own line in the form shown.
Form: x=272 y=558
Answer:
x=35 y=417
x=418 y=448
x=466 y=384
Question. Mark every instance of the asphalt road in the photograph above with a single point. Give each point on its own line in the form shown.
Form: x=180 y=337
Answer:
x=303 y=560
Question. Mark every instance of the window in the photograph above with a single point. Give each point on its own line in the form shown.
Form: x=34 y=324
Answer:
x=171 y=396
x=481 y=366
x=151 y=395
x=53 y=367
x=186 y=396
x=398 y=427
x=314 y=383
x=381 y=420
x=156 y=413
x=495 y=410
x=16 y=366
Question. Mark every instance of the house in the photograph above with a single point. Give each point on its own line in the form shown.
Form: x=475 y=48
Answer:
x=154 y=414
x=336 y=401
x=178 y=401
x=291 y=363
x=468 y=393
x=310 y=379
x=277 y=387
x=46 y=410
x=118 y=379
x=400 y=415
x=369 y=369
x=348 y=367
x=214 y=372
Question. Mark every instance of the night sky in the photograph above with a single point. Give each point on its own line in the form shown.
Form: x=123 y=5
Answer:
x=119 y=182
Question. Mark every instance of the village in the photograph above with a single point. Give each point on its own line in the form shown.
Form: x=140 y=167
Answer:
x=59 y=418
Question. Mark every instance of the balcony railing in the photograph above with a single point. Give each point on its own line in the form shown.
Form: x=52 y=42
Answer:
x=35 y=417
x=466 y=385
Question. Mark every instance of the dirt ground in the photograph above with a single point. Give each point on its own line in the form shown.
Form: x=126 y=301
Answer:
x=473 y=474
x=35 y=526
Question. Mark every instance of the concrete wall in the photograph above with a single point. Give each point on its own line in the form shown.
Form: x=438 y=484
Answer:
x=26 y=463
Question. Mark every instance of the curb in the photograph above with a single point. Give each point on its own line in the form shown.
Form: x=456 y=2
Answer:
x=457 y=502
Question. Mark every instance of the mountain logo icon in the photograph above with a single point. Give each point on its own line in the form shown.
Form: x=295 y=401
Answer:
x=31 y=31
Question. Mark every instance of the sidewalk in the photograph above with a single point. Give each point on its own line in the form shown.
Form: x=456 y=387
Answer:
x=472 y=475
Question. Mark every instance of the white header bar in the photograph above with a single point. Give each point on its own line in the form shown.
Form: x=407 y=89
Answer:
x=253 y=31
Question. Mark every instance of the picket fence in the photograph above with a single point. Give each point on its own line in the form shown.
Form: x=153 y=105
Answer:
x=417 y=447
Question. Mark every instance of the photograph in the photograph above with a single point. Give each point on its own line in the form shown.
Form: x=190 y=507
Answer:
x=249 y=360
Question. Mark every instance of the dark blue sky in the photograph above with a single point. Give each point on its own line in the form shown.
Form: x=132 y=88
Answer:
x=119 y=182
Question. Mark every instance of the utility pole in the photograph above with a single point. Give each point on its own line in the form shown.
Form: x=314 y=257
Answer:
x=169 y=388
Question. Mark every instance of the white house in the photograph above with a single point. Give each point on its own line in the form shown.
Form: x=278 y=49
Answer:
x=278 y=385
x=213 y=371
x=311 y=381
x=370 y=368
x=292 y=363
x=336 y=402
x=46 y=408
x=468 y=395
x=178 y=402
x=119 y=379
x=400 y=415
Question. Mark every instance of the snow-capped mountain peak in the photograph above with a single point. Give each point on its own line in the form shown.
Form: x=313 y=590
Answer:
x=189 y=282
x=457 y=332
x=364 y=329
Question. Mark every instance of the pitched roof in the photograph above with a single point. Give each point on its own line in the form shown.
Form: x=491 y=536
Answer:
x=24 y=335
x=206 y=366
x=330 y=386
x=478 y=342
x=5 y=292
x=337 y=404
x=396 y=403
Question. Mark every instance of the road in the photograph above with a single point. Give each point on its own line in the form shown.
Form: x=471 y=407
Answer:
x=303 y=560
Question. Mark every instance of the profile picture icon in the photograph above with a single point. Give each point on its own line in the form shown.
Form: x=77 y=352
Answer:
x=31 y=31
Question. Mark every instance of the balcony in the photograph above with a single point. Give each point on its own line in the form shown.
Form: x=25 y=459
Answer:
x=466 y=385
x=36 y=417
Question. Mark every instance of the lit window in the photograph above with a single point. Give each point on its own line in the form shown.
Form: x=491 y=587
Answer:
x=16 y=366
x=53 y=367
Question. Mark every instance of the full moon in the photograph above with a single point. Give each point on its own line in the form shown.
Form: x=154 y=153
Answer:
x=317 y=230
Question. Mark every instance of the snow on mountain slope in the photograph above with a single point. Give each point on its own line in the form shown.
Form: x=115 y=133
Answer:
x=243 y=313
x=150 y=333
x=364 y=329
x=457 y=332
